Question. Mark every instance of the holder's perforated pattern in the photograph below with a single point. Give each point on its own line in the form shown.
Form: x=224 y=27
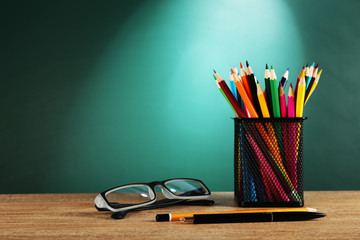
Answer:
x=269 y=161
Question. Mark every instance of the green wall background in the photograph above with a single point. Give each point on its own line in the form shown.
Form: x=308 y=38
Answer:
x=95 y=94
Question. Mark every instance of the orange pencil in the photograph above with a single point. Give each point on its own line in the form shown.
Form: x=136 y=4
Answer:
x=244 y=96
x=245 y=80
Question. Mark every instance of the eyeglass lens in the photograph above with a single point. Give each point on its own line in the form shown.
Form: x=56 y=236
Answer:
x=129 y=195
x=186 y=188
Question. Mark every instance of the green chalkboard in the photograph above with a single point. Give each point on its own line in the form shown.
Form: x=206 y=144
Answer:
x=95 y=94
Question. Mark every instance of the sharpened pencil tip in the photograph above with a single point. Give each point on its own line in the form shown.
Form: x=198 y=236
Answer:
x=307 y=65
x=214 y=71
x=317 y=65
x=313 y=64
x=320 y=72
x=288 y=69
x=232 y=71
x=241 y=66
x=247 y=64
x=266 y=67
x=272 y=67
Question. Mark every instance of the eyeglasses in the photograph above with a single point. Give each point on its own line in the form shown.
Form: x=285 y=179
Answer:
x=141 y=195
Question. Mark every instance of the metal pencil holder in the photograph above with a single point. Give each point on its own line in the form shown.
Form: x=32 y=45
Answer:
x=269 y=162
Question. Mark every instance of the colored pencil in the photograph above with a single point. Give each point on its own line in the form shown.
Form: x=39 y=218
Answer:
x=232 y=85
x=274 y=155
x=282 y=101
x=265 y=167
x=274 y=93
x=291 y=102
x=238 y=97
x=268 y=91
x=299 y=108
x=309 y=75
x=240 y=87
x=291 y=143
x=262 y=102
x=313 y=86
x=308 y=88
x=298 y=80
x=252 y=84
x=222 y=92
x=284 y=78
x=229 y=95
x=245 y=80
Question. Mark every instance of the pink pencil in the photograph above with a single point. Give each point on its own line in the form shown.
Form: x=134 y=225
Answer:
x=291 y=102
x=282 y=101
x=290 y=144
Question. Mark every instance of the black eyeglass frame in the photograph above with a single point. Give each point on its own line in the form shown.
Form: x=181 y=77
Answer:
x=101 y=202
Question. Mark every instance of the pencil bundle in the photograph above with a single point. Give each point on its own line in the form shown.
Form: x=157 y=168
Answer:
x=248 y=100
x=268 y=134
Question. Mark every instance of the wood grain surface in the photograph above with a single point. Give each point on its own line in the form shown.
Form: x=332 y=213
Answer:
x=73 y=216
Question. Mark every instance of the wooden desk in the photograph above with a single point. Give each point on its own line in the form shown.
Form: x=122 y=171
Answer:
x=70 y=216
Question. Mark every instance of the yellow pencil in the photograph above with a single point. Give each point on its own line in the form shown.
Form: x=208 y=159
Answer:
x=300 y=97
x=313 y=86
x=262 y=101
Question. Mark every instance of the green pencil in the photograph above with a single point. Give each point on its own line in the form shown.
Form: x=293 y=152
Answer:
x=274 y=93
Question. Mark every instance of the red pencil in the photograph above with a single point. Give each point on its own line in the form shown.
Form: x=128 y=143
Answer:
x=230 y=96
